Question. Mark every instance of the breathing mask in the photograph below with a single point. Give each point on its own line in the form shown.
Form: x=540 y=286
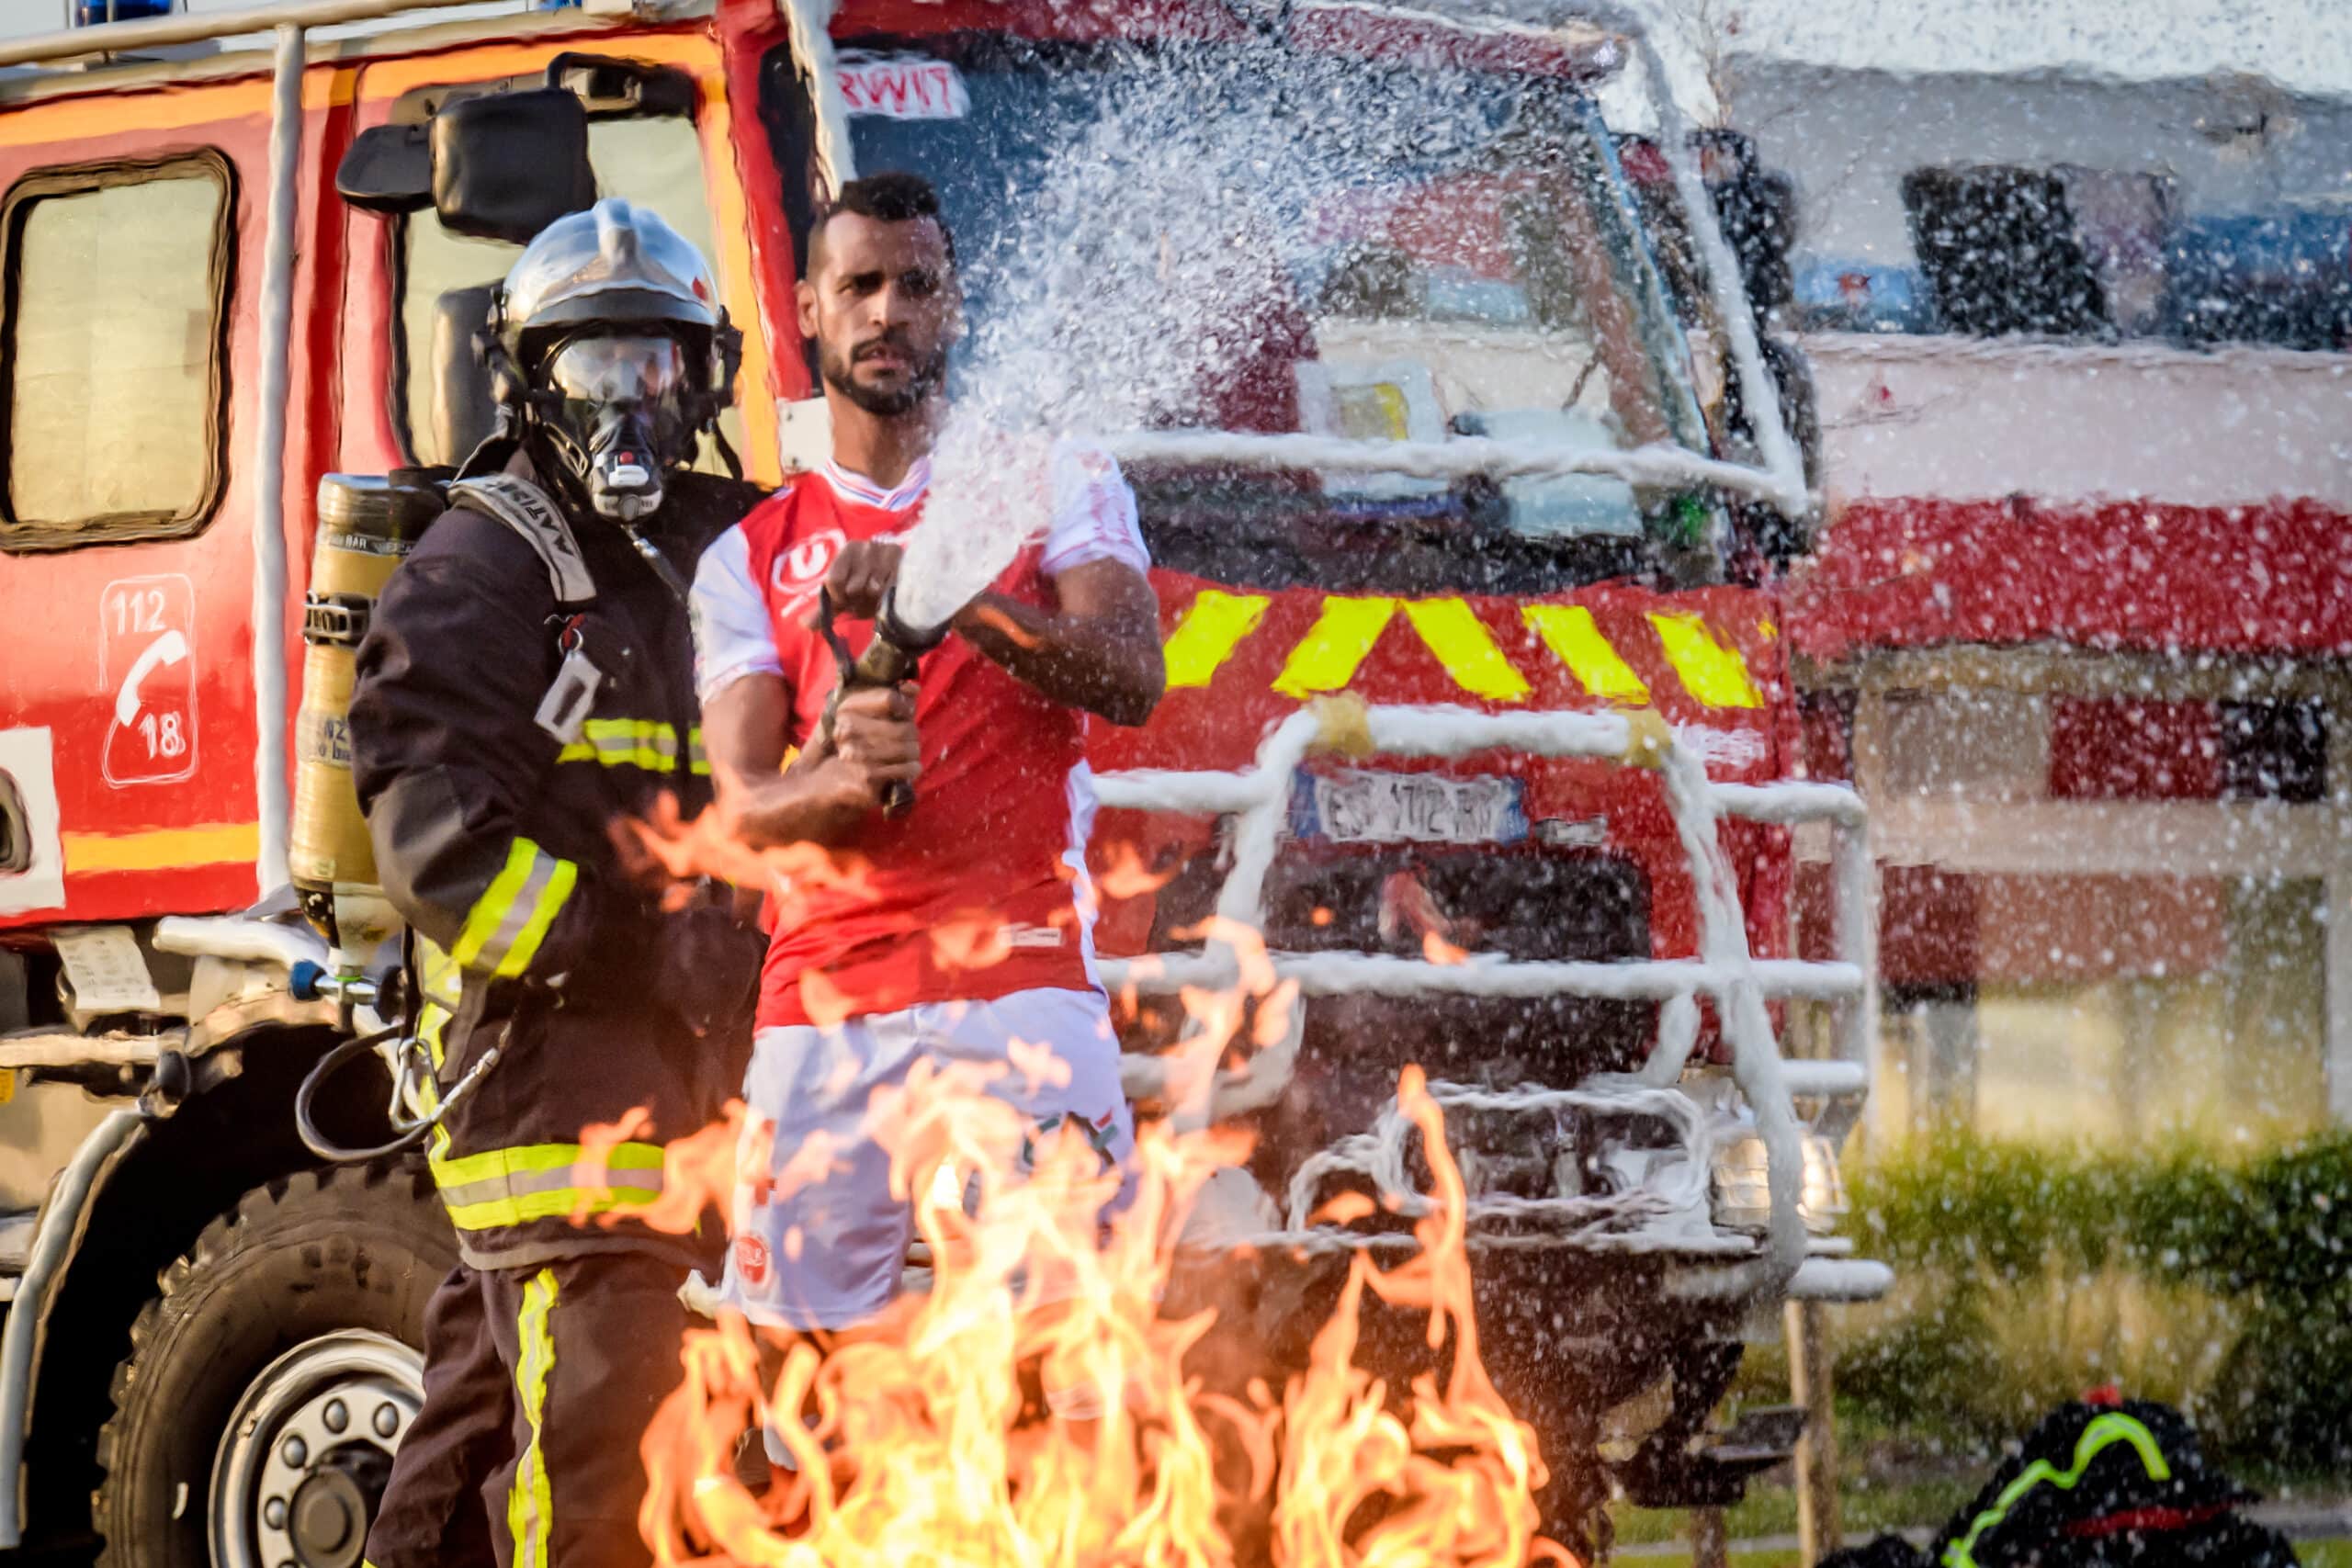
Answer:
x=620 y=411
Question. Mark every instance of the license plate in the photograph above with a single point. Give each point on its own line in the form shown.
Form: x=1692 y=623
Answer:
x=1359 y=808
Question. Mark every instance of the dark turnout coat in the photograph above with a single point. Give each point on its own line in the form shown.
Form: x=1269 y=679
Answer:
x=493 y=833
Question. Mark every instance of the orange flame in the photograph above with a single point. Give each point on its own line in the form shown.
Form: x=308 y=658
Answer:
x=666 y=848
x=1125 y=875
x=1035 y=1407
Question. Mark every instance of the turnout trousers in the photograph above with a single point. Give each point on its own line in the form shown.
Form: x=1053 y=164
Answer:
x=539 y=1385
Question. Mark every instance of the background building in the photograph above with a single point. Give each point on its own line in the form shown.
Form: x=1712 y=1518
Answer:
x=2077 y=621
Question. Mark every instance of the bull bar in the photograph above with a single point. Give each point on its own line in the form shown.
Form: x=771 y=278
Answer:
x=1645 y=1219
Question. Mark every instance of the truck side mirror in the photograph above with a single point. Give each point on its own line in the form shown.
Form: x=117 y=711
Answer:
x=507 y=164
x=388 y=168
x=1758 y=211
x=495 y=165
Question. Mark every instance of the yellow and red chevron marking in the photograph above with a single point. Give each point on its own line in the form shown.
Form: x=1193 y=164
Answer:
x=1237 y=658
x=1481 y=656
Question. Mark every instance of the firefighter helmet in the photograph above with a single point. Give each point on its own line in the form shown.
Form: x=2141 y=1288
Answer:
x=610 y=354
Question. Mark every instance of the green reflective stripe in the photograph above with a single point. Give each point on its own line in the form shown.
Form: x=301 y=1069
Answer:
x=507 y=923
x=530 y=1504
x=2102 y=1433
x=698 y=760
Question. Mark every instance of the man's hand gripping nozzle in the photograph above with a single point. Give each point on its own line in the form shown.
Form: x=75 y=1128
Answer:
x=892 y=658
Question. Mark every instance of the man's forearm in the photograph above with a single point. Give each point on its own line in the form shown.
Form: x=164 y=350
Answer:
x=797 y=806
x=1100 y=664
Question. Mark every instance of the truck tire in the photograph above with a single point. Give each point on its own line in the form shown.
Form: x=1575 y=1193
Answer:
x=268 y=1384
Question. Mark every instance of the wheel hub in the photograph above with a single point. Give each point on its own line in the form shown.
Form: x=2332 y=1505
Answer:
x=309 y=1450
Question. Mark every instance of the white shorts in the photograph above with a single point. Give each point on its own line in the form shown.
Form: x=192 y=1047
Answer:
x=828 y=1252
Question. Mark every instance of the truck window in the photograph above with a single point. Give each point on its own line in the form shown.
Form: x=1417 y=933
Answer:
x=1451 y=255
x=653 y=160
x=114 y=351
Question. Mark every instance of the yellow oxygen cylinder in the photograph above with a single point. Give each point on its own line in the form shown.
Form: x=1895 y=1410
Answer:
x=367 y=525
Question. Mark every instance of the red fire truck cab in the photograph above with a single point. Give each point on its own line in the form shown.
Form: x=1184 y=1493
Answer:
x=1477 y=710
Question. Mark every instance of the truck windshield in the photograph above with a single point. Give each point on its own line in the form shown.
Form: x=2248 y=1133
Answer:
x=1458 y=258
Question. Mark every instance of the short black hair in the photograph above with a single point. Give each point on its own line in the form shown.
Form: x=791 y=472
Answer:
x=895 y=197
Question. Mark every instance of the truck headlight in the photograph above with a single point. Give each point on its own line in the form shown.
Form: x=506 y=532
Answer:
x=1743 y=1187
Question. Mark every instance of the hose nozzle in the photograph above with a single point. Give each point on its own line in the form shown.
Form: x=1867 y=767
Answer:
x=892 y=659
x=896 y=647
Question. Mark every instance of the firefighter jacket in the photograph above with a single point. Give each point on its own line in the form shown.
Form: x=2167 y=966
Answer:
x=493 y=837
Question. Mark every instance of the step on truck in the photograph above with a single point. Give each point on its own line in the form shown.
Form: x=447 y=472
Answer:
x=1478 y=721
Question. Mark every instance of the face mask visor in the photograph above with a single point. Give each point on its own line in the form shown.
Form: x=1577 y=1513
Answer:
x=623 y=407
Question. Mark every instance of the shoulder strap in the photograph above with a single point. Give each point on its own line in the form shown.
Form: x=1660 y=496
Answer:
x=525 y=508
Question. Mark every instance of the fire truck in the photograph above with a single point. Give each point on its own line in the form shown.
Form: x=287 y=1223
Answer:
x=1478 y=728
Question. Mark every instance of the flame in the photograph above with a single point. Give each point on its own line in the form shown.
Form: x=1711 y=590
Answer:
x=1038 y=1406
x=666 y=847
x=1125 y=875
x=1437 y=950
x=978 y=941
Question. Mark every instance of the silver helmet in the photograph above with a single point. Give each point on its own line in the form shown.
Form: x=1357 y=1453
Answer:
x=608 y=344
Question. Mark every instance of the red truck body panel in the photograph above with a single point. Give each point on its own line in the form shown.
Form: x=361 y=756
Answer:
x=1710 y=660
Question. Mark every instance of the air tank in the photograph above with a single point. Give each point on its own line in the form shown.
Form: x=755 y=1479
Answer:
x=367 y=525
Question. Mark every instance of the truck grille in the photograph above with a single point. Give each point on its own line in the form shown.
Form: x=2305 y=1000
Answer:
x=1527 y=902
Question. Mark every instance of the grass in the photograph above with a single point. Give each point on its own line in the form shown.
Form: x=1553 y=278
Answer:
x=2313 y=1554
x=1865 y=1510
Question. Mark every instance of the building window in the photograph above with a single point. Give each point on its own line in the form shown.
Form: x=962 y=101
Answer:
x=2003 y=254
x=118 y=281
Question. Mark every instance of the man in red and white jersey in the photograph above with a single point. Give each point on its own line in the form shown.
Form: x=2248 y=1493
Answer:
x=959 y=932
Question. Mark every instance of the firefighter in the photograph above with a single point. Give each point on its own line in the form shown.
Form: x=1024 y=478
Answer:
x=858 y=988
x=524 y=690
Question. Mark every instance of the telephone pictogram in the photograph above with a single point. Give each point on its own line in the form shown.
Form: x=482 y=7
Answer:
x=145 y=627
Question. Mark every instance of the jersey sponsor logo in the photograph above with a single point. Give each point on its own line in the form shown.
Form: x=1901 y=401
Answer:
x=751 y=1260
x=806 y=563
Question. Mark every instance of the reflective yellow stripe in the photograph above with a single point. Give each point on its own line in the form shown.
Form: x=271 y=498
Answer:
x=1462 y=643
x=647 y=743
x=1714 y=675
x=543 y=913
x=698 y=760
x=483 y=919
x=507 y=923
x=530 y=1506
x=513 y=1186
x=525 y=1159
x=554 y=1203
x=1209 y=633
x=1569 y=632
x=1325 y=659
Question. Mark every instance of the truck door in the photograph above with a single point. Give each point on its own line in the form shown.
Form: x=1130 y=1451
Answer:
x=131 y=237
x=658 y=135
